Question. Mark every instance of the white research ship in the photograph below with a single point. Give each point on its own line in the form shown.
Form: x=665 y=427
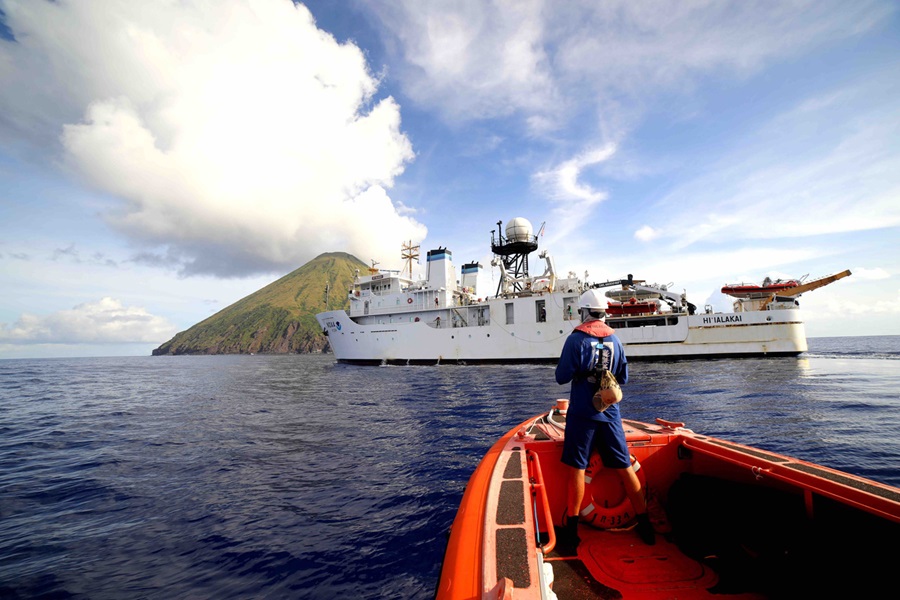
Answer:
x=394 y=319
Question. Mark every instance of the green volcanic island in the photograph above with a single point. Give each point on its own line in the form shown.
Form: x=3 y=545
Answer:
x=278 y=319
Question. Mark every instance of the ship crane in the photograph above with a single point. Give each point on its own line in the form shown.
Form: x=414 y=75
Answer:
x=677 y=301
x=625 y=283
x=550 y=271
x=806 y=287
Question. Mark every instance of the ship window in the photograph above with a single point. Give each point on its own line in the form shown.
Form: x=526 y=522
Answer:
x=509 y=314
x=540 y=311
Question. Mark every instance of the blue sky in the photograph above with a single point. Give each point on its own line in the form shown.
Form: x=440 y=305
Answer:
x=160 y=161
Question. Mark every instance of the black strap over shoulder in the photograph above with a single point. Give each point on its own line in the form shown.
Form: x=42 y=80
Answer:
x=601 y=361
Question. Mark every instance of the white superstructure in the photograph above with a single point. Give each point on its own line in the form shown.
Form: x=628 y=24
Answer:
x=395 y=319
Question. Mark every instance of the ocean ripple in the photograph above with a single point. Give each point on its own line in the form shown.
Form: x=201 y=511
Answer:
x=291 y=476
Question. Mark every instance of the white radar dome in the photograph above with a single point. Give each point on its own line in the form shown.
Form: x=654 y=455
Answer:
x=519 y=230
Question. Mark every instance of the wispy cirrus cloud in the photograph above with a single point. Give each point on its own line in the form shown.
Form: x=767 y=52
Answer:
x=552 y=63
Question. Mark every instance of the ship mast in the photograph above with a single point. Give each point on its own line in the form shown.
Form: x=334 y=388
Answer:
x=409 y=253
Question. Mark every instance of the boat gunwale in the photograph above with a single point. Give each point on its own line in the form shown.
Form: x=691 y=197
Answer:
x=467 y=530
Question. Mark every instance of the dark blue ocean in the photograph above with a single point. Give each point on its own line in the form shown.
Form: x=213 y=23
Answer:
x=295 y=477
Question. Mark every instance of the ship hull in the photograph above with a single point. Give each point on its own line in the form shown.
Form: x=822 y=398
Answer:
x=508 y=331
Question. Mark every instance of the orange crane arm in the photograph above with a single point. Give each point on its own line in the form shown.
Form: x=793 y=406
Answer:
x=805 y=287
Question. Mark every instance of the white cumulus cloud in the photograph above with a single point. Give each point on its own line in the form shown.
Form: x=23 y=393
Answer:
x=106 y=321
x=236 y=136
x=646 y=234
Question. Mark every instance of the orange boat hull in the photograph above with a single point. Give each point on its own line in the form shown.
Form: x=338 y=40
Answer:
x=732 y=522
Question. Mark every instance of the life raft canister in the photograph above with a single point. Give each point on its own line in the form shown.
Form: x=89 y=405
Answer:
x=606 y=505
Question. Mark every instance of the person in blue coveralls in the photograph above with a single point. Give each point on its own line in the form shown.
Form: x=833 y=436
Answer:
x=587 y=428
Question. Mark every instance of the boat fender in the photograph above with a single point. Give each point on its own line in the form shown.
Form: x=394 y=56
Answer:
x=606 y=504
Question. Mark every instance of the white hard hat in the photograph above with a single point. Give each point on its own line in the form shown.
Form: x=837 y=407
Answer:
x=593 y=300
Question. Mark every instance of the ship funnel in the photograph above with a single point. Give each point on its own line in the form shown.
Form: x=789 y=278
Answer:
x=469 y=282
x=441 y=273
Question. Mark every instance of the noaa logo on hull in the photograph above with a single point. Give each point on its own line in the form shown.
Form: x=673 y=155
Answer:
x=337 y=325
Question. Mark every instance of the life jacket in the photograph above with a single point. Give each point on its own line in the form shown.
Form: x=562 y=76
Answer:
x=596 y=328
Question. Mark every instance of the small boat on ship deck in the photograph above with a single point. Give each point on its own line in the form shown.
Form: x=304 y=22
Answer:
x=732 y=521
x=759 y=290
